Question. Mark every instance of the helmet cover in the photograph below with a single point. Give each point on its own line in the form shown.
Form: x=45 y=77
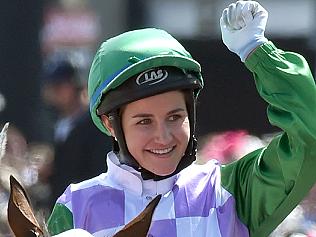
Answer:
x=129 y=54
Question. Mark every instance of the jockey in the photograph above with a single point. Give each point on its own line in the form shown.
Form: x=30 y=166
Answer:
x=143 y=87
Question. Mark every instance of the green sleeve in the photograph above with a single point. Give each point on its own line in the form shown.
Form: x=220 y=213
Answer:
x=60 y=220
x=270 y=182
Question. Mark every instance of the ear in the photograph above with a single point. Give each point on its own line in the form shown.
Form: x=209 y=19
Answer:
x=107 y=123
x=21 y=217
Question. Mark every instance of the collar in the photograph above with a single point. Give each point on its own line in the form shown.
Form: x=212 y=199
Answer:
x=131 y=180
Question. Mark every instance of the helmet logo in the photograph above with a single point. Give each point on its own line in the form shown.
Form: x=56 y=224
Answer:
x=151 y=77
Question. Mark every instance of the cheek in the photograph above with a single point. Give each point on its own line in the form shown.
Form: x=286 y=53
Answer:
x=135 y=139
x=135 y=143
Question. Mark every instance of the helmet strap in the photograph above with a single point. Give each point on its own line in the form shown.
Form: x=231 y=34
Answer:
x=119 y=144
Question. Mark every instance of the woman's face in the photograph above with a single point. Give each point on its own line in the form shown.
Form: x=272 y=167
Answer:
x=157 y=131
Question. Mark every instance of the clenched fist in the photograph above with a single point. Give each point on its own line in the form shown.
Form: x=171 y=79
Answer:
x=242 y=25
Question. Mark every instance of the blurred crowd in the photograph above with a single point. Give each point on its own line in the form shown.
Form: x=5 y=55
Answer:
x=31 y=164
x=75 y=151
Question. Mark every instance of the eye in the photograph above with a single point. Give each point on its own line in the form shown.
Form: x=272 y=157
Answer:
x=174 y=117
x=144 y=121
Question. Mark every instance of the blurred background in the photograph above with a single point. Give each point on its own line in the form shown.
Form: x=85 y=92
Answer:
x=231 y=116
x=32 y=31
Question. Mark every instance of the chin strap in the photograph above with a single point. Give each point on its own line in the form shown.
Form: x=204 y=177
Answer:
x=119 y=143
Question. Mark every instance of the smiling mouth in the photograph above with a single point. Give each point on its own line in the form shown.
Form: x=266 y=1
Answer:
x=161 y=151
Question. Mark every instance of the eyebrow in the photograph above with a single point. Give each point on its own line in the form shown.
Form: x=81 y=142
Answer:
x=144 y=115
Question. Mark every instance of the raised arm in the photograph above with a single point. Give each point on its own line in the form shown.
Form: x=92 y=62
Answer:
x=269 y=183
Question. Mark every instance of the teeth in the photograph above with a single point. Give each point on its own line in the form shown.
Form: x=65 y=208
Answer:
x=161 y=151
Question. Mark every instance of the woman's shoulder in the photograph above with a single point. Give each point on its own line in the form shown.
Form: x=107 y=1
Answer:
x=201 y=184
x=86 y=185
x=197 y=168
x=199 y=172
x=86 y=188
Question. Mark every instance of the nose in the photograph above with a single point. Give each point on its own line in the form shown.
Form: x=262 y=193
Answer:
x=163 y=134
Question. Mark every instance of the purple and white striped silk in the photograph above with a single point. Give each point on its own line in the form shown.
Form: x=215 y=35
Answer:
x=193 y=203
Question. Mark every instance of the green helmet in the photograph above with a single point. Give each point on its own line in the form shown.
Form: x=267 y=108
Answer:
x=131 y=53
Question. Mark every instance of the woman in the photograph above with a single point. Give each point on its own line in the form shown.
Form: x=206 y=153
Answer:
x=143 y=87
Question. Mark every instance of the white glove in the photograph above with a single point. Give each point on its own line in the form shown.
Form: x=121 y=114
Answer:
x=243 y=24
